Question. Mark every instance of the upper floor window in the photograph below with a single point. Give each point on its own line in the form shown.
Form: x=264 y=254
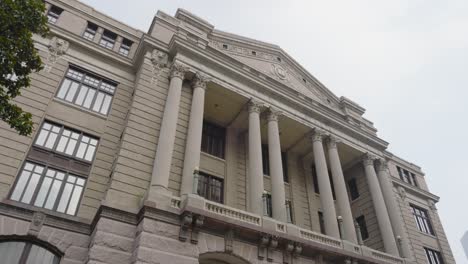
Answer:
x=125 y=47
x=213 y=139
x=433 y=256
x=422 y=220
x=289 y=212
x=108 y=39
x=363 y=227
x=210 y=187
x=22 y=252
x=353 y=189
x=90 y=31
x=407 y=176
x=266 y=163
x=53 y=14
x=87 y=90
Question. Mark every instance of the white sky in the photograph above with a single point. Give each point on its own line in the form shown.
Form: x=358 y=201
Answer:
x=404 y=61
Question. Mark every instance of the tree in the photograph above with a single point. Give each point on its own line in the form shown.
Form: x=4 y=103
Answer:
x=19 y=20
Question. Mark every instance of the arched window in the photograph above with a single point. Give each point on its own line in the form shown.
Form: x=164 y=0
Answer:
x=22 y=251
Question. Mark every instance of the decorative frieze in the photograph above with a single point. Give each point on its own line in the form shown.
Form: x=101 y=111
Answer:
x=178 y=70
x=57 y=48
x=37 y=221
x=159 y=62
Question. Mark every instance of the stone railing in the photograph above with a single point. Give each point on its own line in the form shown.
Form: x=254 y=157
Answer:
x=232 y=213
x=384 y=256
x=319 y=238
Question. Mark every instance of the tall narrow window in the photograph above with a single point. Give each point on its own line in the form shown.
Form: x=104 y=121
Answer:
x=266 y=162
x=125 y=47
x=53 y=14
x=316 y=184
x=87 y=90
x=213 y=139
x=90 y=31
x=433 y=256
x=363 y=227
x=108 y=39
x=268 y=206
x=211 y=187
x=353 y=189
x=321 y=222
x=422 y=220
x=289 y=212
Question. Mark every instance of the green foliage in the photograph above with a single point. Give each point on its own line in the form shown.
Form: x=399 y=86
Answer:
x=19 y=20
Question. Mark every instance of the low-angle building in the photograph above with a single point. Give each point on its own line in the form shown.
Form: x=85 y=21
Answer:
x=187 y=144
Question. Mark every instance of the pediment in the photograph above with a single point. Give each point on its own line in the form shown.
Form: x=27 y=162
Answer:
x=273 y=62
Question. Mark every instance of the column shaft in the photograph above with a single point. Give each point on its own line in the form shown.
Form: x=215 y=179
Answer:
x=380 y=208
x=255 y=171
x=163 y=158
x=194 y=135
x=392 y=207
x=326 y=196
x=344 y=209
x=276 y=169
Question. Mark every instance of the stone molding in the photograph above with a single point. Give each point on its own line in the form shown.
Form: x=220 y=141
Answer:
x=254 y=106
x=200 y=80
x=178 y=70
x=317 y=135
x=332 y=142
x=159 y=62
x=382 y=165
x=368 y=159
x=273 y=114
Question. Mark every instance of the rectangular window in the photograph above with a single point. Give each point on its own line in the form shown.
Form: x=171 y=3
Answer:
x=268 y=206
x=266 y=162
x=289 y=212
x=407 y=176
x=90 y=31
x=422 y=220
x=363 y=227
x=66 y=141
x=211 y=187
x=87 y=90
x=213 y=139
x=108 y=39
x=49 y=188
x=321 y=222
x=353 y=189
x=125 y=47
x=433 y=257
x=53 y=14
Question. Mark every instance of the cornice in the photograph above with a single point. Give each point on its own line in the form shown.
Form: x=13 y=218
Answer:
x=414 y=190
x=307 y=107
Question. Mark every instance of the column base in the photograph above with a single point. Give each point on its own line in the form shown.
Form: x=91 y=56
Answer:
x=157 y=197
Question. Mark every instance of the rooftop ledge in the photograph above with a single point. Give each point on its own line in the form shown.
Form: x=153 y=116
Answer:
x=253 y=227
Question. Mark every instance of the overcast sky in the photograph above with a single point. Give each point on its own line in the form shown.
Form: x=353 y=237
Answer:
x=404 y=61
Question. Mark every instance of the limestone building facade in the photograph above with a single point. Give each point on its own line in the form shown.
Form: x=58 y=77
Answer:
x=187 y=144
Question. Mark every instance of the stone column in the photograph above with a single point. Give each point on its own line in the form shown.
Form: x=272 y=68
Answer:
x=278 y=199
x=344 y=209
x=392 y=207
x=194 y=134
x=326 y=196
x=379 y=206
x=255 y=171
x=163 y=158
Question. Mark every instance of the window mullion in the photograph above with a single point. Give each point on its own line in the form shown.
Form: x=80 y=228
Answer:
x=25 y=254
x=38 y=187
x=59 y=195
x=59 y=136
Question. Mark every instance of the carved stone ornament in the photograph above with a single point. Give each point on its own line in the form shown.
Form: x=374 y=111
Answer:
x=199 y=80
x=316 y=135
x=254 y=106
x=382 y=165
x=332 y=141
x=273 y=114
x=159 y=61
x=185 y=222
x=279 y=72
x=197 y=223
x=432 y=205
x=178 y=70
x=57 y=47
x=368 y=160
x=402 y=193
x=262 y=246
x=36 y=223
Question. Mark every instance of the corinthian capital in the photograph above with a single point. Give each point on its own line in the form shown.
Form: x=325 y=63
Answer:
x=368 y=159
x=331 y=141
x=199 y=80
x=273 y=114
x=382 y=165
x=254 y=106
x=178 y=70
x=316 y=135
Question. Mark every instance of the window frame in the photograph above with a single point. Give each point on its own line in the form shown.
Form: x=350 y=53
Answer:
x=214 y=134
x=353 y=189
x=433 y=256
x=407 y=176
x=289 y=211
x=54 y=14
x=106 y=38
x=90 y=31
x=38 y=188
x=423 y=220
x=81 y=82
x=321 y=222
x=269 y=204
x=361 y=221
x=29 y=242
x=209 y=186
x=125 y=46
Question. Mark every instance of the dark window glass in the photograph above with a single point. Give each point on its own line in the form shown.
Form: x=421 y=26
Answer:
x=362 y=225
x=21 y=252
x=90 y=31
x=289 y=212
x=266 y=162
x=422 y=220
x=433 y=257
x=125 y=47
x=108 y=39
x=87 y=91
x=213 y=139
x=211 y=187
x=353 y=189
x=225 y=46
x=321 y=222
x=53 y=14
x=268 y=207
x=407 y=176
